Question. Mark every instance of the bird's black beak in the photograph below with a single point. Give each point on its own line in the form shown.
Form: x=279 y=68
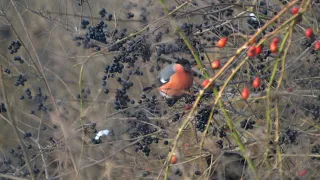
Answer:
x=187 y=67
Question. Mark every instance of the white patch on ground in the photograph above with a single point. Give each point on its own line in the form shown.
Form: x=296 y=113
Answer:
x=105 y=132
x=253 y=16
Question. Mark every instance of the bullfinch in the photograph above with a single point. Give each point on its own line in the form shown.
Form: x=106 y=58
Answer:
x=174 y=79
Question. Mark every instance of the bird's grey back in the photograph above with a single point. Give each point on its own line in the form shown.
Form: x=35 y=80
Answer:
x=166 y=73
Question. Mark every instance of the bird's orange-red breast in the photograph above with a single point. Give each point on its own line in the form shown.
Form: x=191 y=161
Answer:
x=175 y=79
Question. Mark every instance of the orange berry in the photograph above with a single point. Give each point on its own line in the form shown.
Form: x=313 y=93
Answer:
x=245 y=93
x=309 y=33
x=222 y=42
x=302 y=173
x=256 y=82
x=317 y=45
x=188 y=107
x=294 y=10
x=258 y=49
x=173 y=159
x=252 y=51
x=204 y=83
x=275 y=40
x=273 y=47
x=215 y=64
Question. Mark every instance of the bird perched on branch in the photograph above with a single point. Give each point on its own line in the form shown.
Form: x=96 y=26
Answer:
x=174 y=79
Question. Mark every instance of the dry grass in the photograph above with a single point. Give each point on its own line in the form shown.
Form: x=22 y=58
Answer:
x=64 y=71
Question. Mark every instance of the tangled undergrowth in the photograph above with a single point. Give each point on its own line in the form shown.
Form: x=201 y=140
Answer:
x=75 y=102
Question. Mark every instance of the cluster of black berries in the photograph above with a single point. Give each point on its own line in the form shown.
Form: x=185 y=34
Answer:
x=188 y=28
x=315 y=150
x=115 y=67
x=3 y=108
x=247 y=124
x=288 y=137
x=189 y=99
x=84 y=23
x=158 y=36
x=27 y=134
x=176 y=117
x=151 y=103
x=138 y=129
x=110 y=17
x=97 y=32
x=18 y=58
x=102 y=12
x=36 y=170
x=7 y=71
x=262 y=9
x=7 y=165
x=121 y=99
x=14 y=46
x=21 y=80
x=28 y=93
x=313 y=110
x=197 y=172
x=202 y=118
x=178 y=172
x=130 y=15
x=167 y=48
x=222 y=131
x=85 y=93
x=220 y=143
x=264 y=55
x=40 y=100
x=179 y=45
x=129 y=53
x=133 y=48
